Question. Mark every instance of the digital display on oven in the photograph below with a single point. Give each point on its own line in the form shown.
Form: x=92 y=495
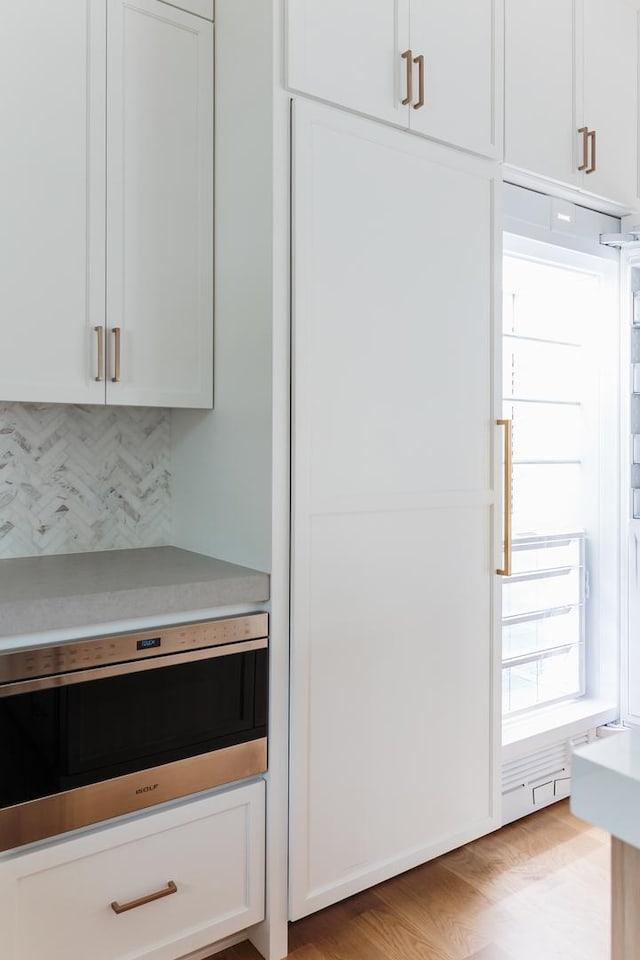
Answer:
x=148 y=644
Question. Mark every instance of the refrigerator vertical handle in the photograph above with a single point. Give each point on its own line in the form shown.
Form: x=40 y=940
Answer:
x=508 y=491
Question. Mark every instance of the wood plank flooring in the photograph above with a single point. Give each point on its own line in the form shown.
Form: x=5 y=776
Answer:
x=536 y=890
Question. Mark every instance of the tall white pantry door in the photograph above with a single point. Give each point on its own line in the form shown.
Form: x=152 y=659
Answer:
x=395 y=646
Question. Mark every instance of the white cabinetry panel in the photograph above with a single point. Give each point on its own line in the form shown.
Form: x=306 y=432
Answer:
x=349 y=53
x=393 y=653
x=56 y=902
x=462 y=45
x=396 y=763
x=611 y=97
x=52 y=109
x=160 y=202
x=571 y=68
x=138 y=85
x=541 y=123
x=395 y=372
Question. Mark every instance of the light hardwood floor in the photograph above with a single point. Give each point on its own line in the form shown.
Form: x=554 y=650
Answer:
x=536 y=890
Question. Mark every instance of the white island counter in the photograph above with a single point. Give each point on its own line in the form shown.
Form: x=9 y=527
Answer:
x=606 y=792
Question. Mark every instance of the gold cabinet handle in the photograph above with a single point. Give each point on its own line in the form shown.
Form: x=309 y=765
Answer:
x=592 y=137
x=508 y=491
x=140 y=902
x=116 y=346
x=585 y=148
x=100 y=373
x=408 y=57
x=420 y=61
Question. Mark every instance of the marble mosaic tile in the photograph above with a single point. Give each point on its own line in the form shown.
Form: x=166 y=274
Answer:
x=76 y=478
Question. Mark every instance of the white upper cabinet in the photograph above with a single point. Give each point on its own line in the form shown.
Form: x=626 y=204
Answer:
x=461 y=45
x=432 y=67
x=610 y=99
x=107 y=155
x=571 y=94
x=52 y=109
x=540 y=134
x=159 y=205
x=347 y=52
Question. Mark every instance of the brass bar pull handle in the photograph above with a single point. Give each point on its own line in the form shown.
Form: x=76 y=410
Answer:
x=408 y=57
x=116 y=371
x=140 y=902
x=420 y=61
x=508 y=491
x=585 y=148
x=592 y=137
x=100 y=373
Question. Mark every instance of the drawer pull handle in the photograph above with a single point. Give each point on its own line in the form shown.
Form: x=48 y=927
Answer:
x=140 y=902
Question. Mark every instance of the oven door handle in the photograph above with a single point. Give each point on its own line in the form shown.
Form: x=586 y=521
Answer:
x=130 y=666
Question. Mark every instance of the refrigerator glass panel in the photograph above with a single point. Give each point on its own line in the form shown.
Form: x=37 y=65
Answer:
x=545 y=633
x=545 y=680
x=546 y=555
x=543 y=593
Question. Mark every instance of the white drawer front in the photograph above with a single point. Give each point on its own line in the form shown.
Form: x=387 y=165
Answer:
x=213 y=850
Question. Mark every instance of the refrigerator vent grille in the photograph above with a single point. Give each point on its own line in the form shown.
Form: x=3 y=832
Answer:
x=547 y=763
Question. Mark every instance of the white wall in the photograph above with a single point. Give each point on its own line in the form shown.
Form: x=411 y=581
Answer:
x=221 y=460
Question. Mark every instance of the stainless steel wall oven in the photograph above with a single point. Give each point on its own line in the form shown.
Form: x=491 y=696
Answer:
x=94 y=729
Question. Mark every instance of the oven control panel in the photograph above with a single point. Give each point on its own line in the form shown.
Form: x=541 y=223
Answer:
x=123 y=648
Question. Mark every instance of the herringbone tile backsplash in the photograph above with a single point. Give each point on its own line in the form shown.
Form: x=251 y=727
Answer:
x=83 y=478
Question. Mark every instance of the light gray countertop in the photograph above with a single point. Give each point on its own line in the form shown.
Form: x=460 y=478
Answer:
x=605 y=785
x=40 y=594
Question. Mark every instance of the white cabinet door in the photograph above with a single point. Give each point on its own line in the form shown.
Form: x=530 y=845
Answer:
x=462 y=46
x=159 y=205
x=572 y=65
x=394 y=656
x=349 y=52
x=52 y=108
x=540 y=118
x=610 y=32
x=56 y=902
